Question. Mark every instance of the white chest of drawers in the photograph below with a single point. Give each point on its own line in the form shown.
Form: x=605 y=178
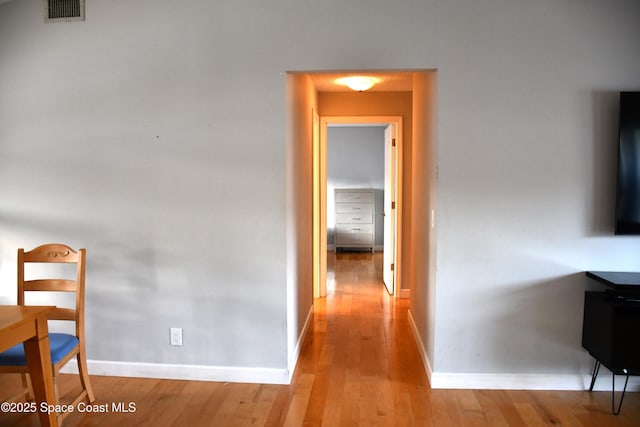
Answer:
x=354 y=213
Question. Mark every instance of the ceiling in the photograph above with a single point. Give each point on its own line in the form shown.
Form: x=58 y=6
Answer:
x=390 y=81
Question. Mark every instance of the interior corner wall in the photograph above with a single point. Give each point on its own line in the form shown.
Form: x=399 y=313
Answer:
x=421 y=256
x=300 y=104
x=336 y=104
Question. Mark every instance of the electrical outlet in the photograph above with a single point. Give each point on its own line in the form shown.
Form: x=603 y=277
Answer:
x=176 y=336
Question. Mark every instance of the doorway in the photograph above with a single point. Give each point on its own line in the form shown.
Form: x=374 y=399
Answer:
x=313 y=96
x=391 y=208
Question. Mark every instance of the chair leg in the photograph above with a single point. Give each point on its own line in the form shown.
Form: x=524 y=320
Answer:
x=84 y=376
x=56 y=395
x=28 y=389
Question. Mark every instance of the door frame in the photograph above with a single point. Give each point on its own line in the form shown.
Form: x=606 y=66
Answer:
x=320 y=196
x=389 y=208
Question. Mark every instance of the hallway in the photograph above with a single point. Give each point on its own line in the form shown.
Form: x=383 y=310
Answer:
x=361 y=365
x=358 y=367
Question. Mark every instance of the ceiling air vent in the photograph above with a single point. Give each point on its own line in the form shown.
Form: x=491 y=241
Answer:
x=63 y=10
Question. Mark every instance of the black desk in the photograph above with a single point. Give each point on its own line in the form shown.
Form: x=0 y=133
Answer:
x=611 y=326
x=619 y=282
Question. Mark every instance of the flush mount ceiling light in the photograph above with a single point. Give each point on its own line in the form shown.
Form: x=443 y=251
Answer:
x=358 y=83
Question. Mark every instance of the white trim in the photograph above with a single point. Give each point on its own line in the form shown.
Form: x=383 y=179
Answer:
x=325 y=122
x=437 y=380
x=567 y=382
x=197 y=372
x=603 y=382
x=572 y=382
x=293 y=361
x=183 y=372
x=421 y=349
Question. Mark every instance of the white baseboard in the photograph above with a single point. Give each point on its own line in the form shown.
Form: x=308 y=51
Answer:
x=421 y=348
x=183 y=372
x=572 y=382
x=293 y=361
x=437 y=380
x=197 y=372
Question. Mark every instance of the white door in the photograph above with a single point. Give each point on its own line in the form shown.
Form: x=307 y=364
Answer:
x=389 y=212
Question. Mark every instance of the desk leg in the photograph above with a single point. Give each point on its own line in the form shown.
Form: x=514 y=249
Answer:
x=615 y=411
x=594 y=375
x=39 y=363
x=596 y=369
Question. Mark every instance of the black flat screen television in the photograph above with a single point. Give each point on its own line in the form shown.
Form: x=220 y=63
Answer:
x=628 y=184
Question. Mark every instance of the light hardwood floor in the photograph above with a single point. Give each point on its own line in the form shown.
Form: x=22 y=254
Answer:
x=359 y=367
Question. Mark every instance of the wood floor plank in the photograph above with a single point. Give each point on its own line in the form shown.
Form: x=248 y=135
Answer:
x=299 y=401
x=359 y=366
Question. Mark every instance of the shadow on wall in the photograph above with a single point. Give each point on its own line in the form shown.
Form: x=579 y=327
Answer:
x=136 y=289
x=537 y=327
x=113 y=269
x=605 y=107
x=105 y=251
x=29 y=230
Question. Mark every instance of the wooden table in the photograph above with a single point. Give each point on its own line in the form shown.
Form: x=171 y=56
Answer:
x=28 y=325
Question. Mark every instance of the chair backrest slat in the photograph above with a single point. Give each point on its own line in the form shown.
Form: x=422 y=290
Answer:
x=59 y=313
x=51 y=285
x=52 y=252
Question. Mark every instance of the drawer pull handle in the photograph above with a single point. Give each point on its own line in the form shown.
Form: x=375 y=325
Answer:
x=355 y=229
x=356 y=219
x=354 y=208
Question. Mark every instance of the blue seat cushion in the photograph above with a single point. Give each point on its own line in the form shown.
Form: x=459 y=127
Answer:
x=60 y=344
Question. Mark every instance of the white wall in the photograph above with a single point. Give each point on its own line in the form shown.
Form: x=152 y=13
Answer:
x=161 y=126
x=526 y=191
x=161 y=151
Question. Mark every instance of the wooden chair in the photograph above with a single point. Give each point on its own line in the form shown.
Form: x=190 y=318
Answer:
x=63 y=346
